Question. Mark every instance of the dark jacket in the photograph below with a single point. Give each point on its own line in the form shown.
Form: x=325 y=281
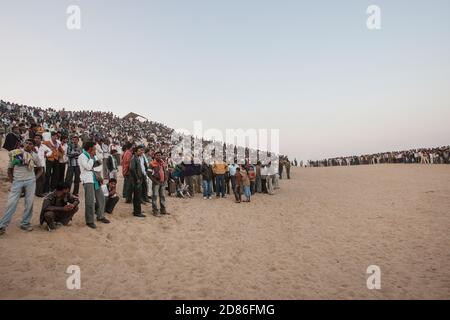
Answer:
x=111 y=164
x=12 y=141
x=207 y=173
x=189 y=170
x=135 y=169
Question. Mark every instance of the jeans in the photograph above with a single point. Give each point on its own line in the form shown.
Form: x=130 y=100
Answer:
x=247 y=192
x=207 y=188
x=13 y=200
x=51 y=175
x=220 y=185
x=94 y=200
x=158 y=190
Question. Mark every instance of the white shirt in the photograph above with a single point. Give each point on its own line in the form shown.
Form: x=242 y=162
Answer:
x=43 y=151
x=264 y=171
x=86 y=166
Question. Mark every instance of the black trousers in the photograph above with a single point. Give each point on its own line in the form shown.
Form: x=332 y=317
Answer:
x=51 y=175
x=73 y=172
x=264 y=185
x=111 y=204
x=61 y=171
x=233 y=182
x=127 y=188
x=40 y=182
x=137 y=198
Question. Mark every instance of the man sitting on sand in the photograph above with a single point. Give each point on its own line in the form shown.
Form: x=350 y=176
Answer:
x=110 y=192
x=59 y=207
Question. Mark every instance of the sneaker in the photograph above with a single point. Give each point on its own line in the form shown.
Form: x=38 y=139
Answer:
x=91 y=225
x=204 y=198
x=2 y=231
x=50 y=229
x=104 y=220
x=27 y=228
x=164 y=212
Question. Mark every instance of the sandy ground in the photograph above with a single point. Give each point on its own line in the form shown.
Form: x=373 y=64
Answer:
x=314 y=239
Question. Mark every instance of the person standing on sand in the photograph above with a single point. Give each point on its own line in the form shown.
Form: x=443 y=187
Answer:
x=22 y=176
x=138 y=172
x=126 y=159
x=52 y=162
x=159 y=178
x=288 y=168
x=42 y=151
x=246 y=184
x=232 y=171
x=252 y=177
x=112 y=165
x=270 y=176
x=258 y=177
x=207 y=176
x=264 y=178
x=92 y=186
x=280 y=167
x=238 y=186
x=219 y=169
x=73 y=169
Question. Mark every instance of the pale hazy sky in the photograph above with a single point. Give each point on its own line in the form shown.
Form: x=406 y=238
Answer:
x=311 y=69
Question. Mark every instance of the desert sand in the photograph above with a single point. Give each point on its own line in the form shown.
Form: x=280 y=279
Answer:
x=313 y=239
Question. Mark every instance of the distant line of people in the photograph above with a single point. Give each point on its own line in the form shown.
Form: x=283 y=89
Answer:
x=440 y=155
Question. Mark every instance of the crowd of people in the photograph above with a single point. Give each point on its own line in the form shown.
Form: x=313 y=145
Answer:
x=439 y=155
x=52 y=152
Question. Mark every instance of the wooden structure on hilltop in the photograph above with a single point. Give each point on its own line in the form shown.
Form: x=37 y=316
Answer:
x=132 y=116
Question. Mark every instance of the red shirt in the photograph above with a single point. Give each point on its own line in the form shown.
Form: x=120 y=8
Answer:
x=126 y=159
